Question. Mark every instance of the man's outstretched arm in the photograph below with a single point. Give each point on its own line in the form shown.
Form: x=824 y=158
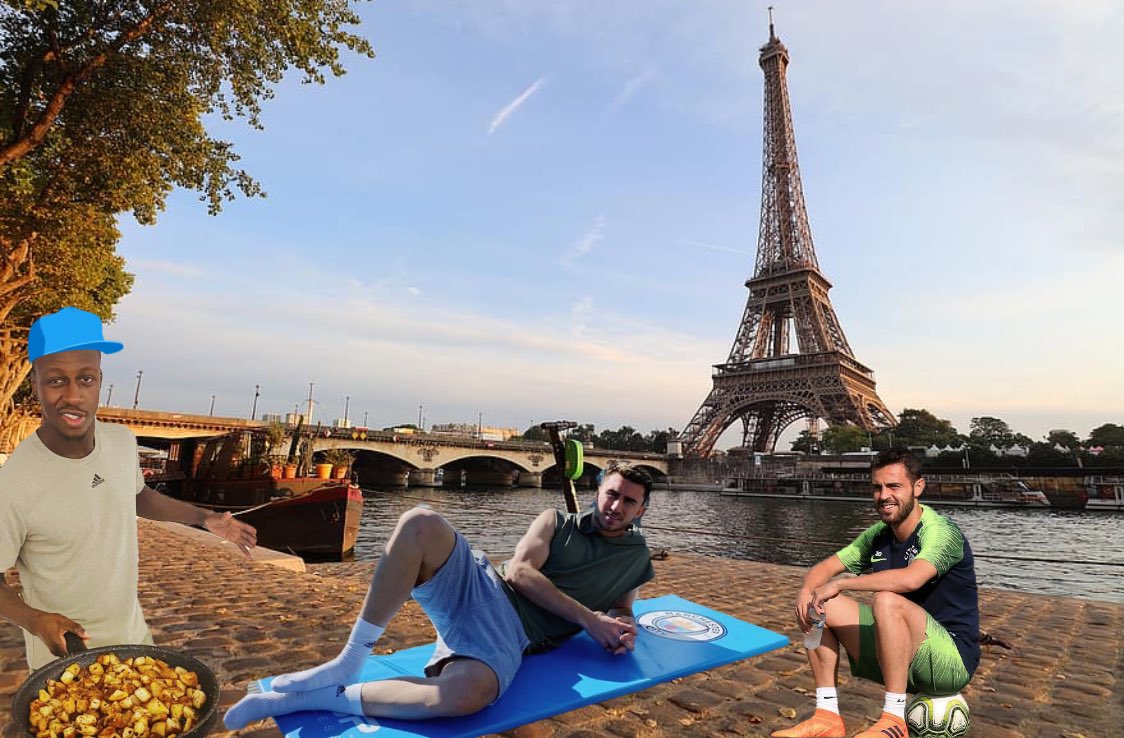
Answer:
x=156 y=506
x=525 y=576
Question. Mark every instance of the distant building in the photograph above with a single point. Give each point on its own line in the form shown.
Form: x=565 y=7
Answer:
x=472 y=430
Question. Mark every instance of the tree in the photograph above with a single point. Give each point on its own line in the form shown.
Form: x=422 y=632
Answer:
x=987 y=432
x=102 y=111
x=805 y=443
x=922 y=428
x=1107 y=435
x=839 y=439
x=536 y=433
x=1063 y=438
x=656 y=440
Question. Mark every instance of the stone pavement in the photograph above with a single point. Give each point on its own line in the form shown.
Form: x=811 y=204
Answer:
x=246 y=620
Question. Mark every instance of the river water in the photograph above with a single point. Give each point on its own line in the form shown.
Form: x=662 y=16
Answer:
x=1069 y=548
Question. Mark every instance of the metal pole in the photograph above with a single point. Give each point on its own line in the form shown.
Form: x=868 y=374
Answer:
x=212 y=413
x=364 y=418
x=254 y=409
x=308 y=420
x=480 y=426
x=419 y=417
x=109 y=395
x=346 y=406
x=136 y=395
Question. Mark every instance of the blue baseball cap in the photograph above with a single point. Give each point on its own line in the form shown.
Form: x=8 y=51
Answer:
x=70 y=329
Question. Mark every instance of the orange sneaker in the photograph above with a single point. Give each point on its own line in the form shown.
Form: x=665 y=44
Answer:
x=822 y=724
x=888 y=726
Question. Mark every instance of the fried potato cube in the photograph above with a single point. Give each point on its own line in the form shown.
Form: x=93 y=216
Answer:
x=142 y=695
x=70 y=674
x=127 y=703
x=127 y=733
x=86 y=719
x=96 y=668
x=177 y=711
x=88 y=730
x=156 y=708
x=69 y=731
x=140 y=727
x=198 y=698
x=118 y=695
x=44 y=696
x=95 y=704
x=173 y=725
x=159 y=729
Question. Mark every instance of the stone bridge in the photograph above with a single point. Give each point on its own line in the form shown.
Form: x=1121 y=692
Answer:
x=387 y=458
x=427 y=460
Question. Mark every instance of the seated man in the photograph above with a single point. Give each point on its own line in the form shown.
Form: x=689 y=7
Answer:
x=922 y=631
x=569 y=573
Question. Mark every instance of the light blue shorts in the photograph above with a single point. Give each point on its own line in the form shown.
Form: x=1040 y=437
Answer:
x=473 y=617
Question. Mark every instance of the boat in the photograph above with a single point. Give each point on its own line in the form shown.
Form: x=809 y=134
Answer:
x=1105 y=493
x=307 y=515
x=974 y=490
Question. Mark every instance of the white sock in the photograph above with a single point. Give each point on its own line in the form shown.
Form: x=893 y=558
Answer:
x=827 y=699
x=343 y=669
x=895 y=704
x=261 y=705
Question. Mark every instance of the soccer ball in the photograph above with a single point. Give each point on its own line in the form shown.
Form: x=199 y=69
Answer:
x=937 y=717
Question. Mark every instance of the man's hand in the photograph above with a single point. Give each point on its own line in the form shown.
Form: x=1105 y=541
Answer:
x=616 y=635
x=224 y=525
x=51 y=628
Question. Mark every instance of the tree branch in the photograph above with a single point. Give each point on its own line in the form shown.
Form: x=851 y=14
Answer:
x=35 y=135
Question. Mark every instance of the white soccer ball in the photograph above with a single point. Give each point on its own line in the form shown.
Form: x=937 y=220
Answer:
x=937 y=717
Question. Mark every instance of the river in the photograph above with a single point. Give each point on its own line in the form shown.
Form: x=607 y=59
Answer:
x=1069 y=547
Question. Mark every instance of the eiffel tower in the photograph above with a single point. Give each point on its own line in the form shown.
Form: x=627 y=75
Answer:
x=764 y=382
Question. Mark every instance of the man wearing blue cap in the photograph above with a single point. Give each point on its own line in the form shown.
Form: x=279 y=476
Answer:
x=69 y=498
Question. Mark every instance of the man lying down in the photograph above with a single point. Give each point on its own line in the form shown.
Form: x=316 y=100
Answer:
x=570 y=572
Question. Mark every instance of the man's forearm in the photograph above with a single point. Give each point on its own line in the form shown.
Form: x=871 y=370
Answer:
x=533 y=584
x=14 y=610
x=155 y=506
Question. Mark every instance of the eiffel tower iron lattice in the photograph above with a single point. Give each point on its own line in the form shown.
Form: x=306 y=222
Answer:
x=764 y=382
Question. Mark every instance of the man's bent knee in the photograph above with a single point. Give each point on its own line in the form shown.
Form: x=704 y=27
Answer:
x=889 y=603
x=469 y=686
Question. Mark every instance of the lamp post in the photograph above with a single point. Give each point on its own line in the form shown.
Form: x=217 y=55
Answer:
x=480 y=426
x=136 y=395
x=109 y=394
x=254 y=409
x=309 y=420
x=346 y=407
x=212 y=413
x=364 y=418
x=419 y=417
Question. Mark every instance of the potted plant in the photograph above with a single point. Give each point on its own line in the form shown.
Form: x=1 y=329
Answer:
x=340 y=459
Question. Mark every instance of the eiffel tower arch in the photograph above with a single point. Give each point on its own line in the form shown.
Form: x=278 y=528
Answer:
x=790 y=359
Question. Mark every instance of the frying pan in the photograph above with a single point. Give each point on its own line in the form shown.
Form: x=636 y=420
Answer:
x=79 y=654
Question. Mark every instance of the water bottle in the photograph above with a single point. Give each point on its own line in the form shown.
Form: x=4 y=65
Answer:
x=812 y=639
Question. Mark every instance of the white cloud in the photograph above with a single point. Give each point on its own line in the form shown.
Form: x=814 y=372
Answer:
x=589 y=239
x=630 y=89
x=501 y=117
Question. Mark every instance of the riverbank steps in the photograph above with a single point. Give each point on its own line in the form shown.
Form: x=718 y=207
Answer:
x=1061 y=676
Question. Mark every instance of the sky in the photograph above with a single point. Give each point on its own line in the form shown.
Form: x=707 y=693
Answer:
x=524 y=211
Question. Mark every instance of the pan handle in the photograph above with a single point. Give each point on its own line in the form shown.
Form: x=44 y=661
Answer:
x=74 y=643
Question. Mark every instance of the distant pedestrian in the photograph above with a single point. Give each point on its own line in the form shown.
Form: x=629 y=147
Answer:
x=69 y=498
x=922 y=631
x=570 y=572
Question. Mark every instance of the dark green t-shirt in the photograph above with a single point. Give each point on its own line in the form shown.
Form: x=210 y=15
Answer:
x=595 y=570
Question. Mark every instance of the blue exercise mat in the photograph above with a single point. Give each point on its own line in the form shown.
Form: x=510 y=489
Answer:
x=676 y=637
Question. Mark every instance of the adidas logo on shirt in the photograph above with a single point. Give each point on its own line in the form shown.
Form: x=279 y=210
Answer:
x=97 y=480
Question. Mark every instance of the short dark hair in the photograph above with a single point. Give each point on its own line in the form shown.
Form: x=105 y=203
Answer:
x=634 y=474
x=898 y=455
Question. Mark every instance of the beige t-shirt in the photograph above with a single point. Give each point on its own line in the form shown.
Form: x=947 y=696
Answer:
x=70 y=527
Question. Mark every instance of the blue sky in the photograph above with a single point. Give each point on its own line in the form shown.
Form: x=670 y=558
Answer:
x=538 y=210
